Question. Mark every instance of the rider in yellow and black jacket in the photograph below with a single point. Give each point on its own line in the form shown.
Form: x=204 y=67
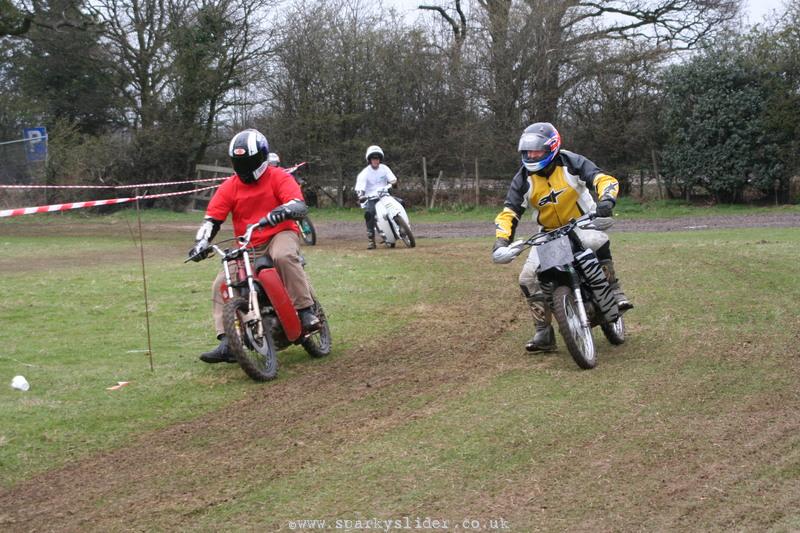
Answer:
x=557 y=186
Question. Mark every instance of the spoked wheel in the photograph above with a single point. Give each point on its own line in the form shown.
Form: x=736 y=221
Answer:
x=256 y=354
x=307 y=231
x=614 y=331
x=405 y=231
x=577 y=338
x=318 y=343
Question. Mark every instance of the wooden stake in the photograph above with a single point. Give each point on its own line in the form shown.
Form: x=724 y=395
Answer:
x=144 y=284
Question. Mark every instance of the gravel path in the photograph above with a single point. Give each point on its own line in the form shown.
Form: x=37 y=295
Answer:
x=356 y=230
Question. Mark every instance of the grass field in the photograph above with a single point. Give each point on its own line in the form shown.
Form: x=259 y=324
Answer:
x=428 y=406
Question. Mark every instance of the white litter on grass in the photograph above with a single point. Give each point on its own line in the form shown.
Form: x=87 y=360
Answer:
x=118 y=386
x=20 y=383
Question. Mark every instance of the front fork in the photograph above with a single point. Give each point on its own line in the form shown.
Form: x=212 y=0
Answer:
x=254 y=309
x=576 y=291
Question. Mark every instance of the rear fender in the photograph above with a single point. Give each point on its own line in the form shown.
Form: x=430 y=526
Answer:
x=279 y=298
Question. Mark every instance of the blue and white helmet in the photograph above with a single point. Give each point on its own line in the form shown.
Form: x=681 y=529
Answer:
x=249 y=151
x=539 y=145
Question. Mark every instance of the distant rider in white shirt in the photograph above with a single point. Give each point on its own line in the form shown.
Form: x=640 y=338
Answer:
x=374 y=177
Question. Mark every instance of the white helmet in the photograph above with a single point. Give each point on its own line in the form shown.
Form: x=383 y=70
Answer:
x=374 y=150
x=273 y=159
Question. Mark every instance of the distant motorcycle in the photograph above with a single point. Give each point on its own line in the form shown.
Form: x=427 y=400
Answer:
x=392 y=219
x=577 y=290
x=307 y=231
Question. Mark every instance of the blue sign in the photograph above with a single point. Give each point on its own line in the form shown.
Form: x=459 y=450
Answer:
x=35 y=144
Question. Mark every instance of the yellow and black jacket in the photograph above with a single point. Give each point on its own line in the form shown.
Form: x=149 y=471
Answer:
x=561 y=192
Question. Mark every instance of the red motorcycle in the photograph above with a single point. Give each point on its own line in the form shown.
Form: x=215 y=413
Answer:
x=258 y=315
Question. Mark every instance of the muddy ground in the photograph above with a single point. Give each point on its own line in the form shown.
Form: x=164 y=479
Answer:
x=336 y=230
x=163 y=480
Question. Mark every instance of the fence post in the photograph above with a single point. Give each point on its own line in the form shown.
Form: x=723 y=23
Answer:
x=655 y=170
x=425 y=179
x=436 y=188
x=477 y=186
x=641 y=184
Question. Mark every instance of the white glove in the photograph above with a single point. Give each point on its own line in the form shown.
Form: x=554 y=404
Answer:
x=506 y=254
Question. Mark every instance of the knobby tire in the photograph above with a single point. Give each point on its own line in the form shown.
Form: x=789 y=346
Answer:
x=258 y=358
x=565 y=311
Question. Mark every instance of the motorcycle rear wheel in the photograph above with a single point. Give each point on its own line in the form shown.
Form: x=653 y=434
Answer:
x=615 y=331
x=578 y=339
x=318 y=343
x=256 y=355
x=405 y=231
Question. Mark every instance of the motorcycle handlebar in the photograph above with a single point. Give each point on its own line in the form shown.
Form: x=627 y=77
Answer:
x=506 y=254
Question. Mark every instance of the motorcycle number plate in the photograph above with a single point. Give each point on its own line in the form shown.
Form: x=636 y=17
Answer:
x=554 y=253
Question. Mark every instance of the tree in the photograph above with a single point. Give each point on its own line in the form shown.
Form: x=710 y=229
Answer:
x=178 y=64
x=540 y=49
x=347 y=77
x=715 y=115
x=776 y=52
x=66 y=72
x=17 y=18
x=613 y=116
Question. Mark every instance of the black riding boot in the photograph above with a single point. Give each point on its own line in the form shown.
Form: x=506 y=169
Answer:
x=371 y=239
x=544 y=339
x=622 y=301
x=220 y=354
x=308 y=319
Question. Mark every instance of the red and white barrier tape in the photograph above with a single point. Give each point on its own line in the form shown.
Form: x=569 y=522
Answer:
x=134 y=186
x=291 y=170
x=93 y=203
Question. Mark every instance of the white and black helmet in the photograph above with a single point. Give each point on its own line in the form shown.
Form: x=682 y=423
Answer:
x=248 y=151
x=374 y=150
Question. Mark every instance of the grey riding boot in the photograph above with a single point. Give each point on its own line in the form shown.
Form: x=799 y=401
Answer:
x=371 y=239
x=544 y=338
x=622 y=301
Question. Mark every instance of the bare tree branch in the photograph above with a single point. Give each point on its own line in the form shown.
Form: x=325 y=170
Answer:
x=459 y=26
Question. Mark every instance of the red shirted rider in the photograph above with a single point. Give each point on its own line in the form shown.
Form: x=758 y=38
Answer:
x=257 y=192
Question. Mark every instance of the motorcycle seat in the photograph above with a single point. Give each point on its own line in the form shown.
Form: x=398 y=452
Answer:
x=265 y=261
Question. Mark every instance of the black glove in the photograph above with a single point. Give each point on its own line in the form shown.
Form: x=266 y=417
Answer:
x=501 y=242
x=275 y=217
x=604 y=207
x=199 y=252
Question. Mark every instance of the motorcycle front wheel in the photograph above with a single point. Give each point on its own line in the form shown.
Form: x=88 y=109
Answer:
x=256 y=354
x=578 y=339
x=307 y=231
x=405 y=231
x=318 y=343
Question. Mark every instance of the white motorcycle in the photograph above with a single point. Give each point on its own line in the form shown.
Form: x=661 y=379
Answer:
x=392 y=220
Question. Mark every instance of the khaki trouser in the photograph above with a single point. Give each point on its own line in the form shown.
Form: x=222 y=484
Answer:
x=284 y=249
